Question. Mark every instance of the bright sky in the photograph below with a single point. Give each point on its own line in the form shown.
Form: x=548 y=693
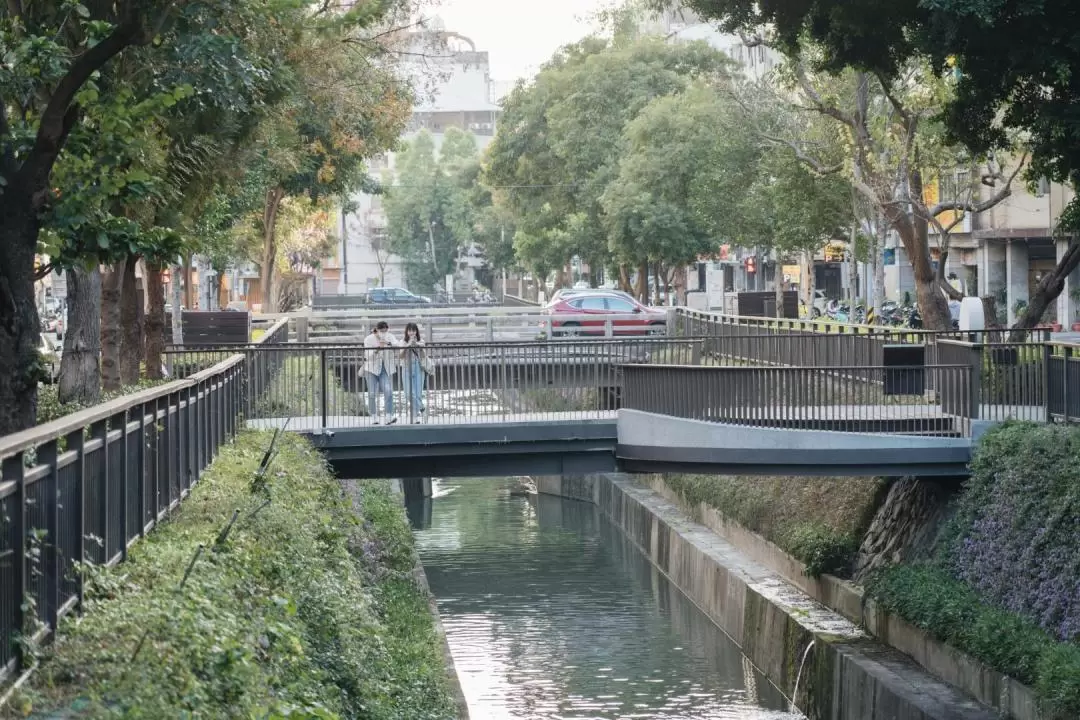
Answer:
x=519 y=36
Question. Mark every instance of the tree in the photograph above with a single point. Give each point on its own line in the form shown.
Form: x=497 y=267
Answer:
x=560 y=139
x=680 y=182
x=1011 y=63
x=890 y=142
x=429 y=216
x=51 y=51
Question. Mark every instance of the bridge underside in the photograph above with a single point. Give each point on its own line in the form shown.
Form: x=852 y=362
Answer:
x=635 y=442
x=548 y=447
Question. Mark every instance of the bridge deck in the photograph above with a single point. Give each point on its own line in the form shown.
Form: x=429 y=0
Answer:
x=898 y=418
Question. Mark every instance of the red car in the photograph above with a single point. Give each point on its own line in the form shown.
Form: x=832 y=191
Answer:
x=589 y=314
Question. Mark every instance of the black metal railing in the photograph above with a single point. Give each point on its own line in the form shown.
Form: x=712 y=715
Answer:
x=1063 y=382
x=86 y=486
x=848 y=399
x=326 y=386
x=1009 y=380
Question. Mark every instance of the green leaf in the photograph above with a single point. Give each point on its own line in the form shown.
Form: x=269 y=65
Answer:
x=103 y=241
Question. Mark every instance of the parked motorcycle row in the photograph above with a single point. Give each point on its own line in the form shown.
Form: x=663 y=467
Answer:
x=893 y=314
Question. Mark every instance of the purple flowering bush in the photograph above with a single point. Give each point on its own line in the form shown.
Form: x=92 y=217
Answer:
x=1016 y=536
x=1004 y=586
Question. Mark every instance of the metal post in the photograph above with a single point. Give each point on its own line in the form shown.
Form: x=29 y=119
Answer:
x=46 y=455
x=75 y=443
x=121 y=419
x=322 y=376
x=13 y=470
x=99 y=431
x=1047 y=358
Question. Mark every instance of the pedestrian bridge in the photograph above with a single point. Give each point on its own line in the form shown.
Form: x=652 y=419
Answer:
x=627 y=441
x=703 y=404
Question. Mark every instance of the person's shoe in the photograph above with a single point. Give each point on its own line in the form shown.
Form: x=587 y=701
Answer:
x=391 y=421
x=376 y=420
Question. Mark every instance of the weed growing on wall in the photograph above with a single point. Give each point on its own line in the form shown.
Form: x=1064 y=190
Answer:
x=819 y=521
x=306 y=610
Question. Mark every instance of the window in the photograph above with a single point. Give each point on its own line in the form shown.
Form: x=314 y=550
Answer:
x=619 y=305
x=587 y=303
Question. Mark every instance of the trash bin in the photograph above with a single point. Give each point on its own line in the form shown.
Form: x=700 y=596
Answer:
x=905 y=372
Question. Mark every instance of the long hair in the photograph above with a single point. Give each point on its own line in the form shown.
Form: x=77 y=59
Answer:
x=413 y=328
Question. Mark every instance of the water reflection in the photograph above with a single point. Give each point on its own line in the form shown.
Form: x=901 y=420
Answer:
x=552 y=613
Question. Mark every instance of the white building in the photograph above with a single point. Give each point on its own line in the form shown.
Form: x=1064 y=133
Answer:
x=454 y=90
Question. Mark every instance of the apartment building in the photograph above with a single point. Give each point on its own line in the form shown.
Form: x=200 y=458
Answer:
x=454 y=90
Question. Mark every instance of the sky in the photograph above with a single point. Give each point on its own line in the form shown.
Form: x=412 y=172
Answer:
x=519 y=36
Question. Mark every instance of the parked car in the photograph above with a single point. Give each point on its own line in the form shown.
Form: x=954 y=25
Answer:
x=633 y=318
x=566 y=293
x=395 y=296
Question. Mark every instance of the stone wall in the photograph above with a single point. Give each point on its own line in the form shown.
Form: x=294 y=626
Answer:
x=846 y=676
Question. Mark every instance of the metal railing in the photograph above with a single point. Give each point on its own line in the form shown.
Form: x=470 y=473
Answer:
x=1063 y=382
x=326 y=386
x=847 y=399
x=88 y=485
x=1009 y=380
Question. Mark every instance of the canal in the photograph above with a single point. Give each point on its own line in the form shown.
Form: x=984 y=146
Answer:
x=552 y=614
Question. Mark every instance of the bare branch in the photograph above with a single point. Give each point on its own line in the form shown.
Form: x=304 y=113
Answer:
x=975 y=208
x=817 y=166
x=816 y=100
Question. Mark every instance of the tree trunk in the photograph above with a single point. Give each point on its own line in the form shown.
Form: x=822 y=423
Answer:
x=155 y=321
x=932 y=305
x=657 y=282
x=809 y=282
x=877 y=263
x=624 y=279
x=80 y=364
x=20 y=363
x=177 y=307
x=111 y=297
x=1046 y=293
x=271 y=207
x=131 y=325
x=189 y=285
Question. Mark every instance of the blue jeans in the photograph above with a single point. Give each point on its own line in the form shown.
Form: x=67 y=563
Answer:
x=414 y=386
x=384 y=382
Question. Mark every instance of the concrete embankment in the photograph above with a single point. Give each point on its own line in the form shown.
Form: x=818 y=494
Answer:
x=821 y=659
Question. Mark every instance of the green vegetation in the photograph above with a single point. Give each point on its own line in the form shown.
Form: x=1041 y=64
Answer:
x=1002 y=582
x=927 y=596
x=817 y=520
x=305 y=610
x=50 y=408
x=296 y=391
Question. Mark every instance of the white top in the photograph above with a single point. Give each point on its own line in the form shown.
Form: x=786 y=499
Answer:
x=379 y=354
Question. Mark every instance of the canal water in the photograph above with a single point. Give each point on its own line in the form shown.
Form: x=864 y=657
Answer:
x=552 y=614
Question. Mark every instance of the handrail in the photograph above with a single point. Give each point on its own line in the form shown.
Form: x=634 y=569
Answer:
x=32 y=437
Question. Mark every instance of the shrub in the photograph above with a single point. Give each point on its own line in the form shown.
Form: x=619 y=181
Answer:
x=303 y=612
x=927 y=596
x=820 y=548
x=1016 y=535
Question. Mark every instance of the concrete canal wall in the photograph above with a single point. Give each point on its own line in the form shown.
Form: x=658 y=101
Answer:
x=822 y=659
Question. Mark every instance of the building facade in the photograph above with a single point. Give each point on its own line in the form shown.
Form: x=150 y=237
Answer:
x=454 y=90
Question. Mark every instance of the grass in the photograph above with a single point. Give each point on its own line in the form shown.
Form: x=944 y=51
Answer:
x=296 y=390
x=819 y=521
x=305 y=611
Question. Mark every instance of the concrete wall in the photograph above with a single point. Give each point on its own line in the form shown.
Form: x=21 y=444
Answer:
x=846 y=676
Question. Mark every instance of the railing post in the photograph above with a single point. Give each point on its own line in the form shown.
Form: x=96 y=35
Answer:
x=15 y=471
x=76 y=443
x=975 y=380
x=46 y=455
x=121 y=419
x=323 y=384
x=1047 y=359
x=100 y=431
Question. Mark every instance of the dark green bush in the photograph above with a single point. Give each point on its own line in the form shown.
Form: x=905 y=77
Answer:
x=305 y=611
x=821 y=549
x=930 y=598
